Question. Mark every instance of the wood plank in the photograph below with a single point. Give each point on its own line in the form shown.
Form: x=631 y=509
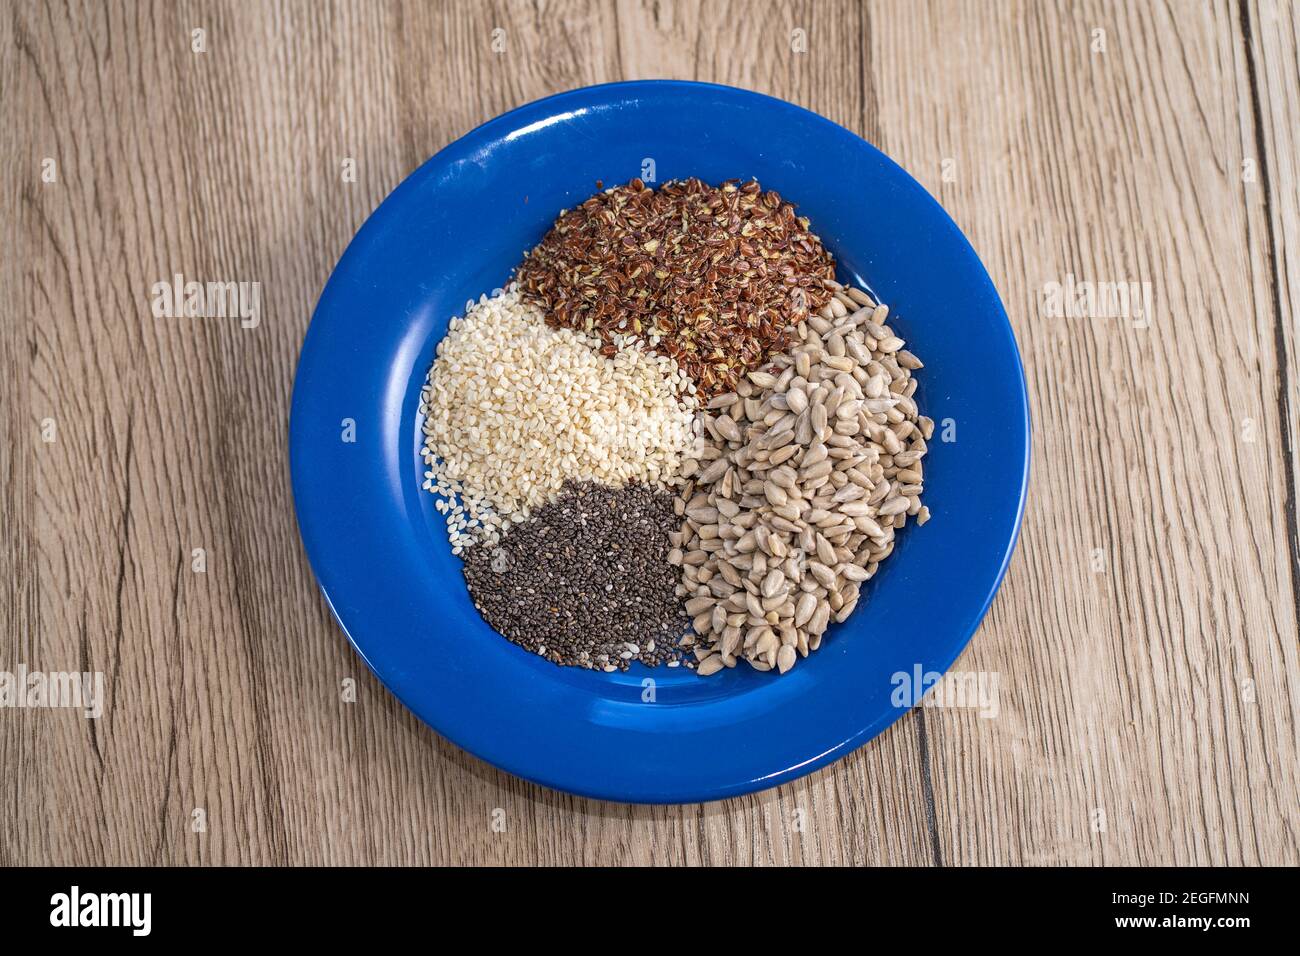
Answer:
x=1123 y=688
x=19 y=430
x=1271 y=181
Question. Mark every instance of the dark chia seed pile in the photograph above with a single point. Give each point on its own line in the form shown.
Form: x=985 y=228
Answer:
x=586 y=580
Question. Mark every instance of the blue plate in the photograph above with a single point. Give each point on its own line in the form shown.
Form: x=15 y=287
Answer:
x=453 y=230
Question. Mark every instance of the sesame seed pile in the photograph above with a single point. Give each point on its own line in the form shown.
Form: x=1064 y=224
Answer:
x=513 y=409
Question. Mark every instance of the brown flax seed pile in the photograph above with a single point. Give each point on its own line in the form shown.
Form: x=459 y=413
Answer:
x=711 y=276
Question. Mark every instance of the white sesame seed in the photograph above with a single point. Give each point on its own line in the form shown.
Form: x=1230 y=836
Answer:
x=515 y=408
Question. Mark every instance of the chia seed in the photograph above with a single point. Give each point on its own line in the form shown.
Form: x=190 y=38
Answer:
x=586 y=579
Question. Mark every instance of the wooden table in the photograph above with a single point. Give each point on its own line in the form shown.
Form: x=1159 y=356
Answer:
x=1146 y=636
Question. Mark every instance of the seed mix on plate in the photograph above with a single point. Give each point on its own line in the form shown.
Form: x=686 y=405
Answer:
x=604 y=517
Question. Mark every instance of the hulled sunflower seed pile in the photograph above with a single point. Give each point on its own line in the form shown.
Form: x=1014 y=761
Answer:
x=603 y=517
x=794 y=499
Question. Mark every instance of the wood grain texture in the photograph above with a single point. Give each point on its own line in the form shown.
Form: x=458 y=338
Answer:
x=1146 y=636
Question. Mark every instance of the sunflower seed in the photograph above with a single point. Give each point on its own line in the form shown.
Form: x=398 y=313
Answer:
x=710 y=665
